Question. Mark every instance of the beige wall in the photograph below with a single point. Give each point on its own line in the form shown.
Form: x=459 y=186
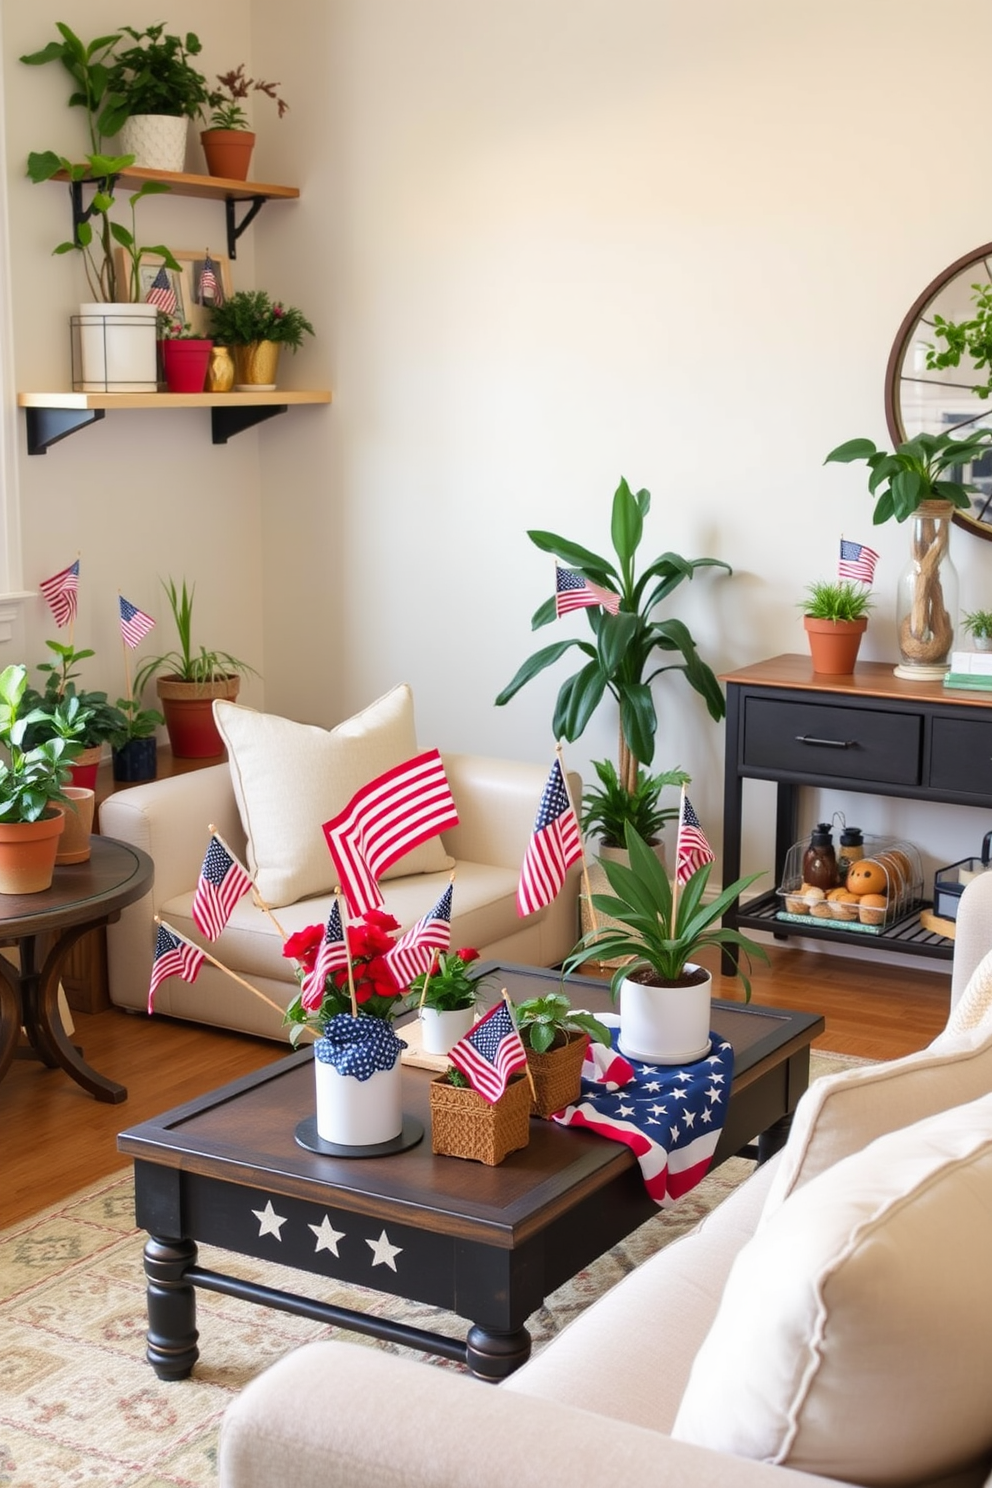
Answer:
x=544 y=244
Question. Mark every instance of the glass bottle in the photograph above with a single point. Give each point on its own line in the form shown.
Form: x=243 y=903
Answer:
x=820 y=860
x=927 y=598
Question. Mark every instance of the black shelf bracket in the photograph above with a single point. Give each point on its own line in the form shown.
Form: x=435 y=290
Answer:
x=81 y=214
x=226 y=422
x=235 y=228
x=48 y=425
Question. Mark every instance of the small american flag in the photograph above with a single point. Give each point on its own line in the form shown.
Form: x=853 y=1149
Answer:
x=488 y=1056
x=692 y=849
x=332 y=955
x=573 y=591
x=413 y=953
x=61 y=591
x=222 y=883
x=210 y=289
x=161 y=292
x=135 y=624
x=555 y=844
x=174 y=956
x=385 y=819
x=856 y=561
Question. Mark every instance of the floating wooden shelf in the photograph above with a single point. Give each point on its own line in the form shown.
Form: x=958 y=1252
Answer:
x=54 y=416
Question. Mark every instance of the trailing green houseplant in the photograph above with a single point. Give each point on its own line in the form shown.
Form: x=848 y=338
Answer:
x=32 y=777
x=629 y=649
x=915 y=471
x=972 y=337
x=608 y=807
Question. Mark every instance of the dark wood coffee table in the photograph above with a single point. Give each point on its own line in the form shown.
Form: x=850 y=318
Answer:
x=486 y=1243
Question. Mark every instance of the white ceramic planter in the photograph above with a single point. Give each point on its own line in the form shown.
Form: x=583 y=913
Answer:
x=157 y=141
x=665 y=1025
x=358 y=1113
x=117 y=352
x=439 y=1031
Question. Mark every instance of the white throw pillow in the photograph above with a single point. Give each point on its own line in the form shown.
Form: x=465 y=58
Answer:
x=840 y=1114
x=853 y=1337
x=289 y=778
x=973 y=1008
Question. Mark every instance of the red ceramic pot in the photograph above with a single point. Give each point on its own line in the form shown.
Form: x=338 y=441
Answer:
x=185 y=364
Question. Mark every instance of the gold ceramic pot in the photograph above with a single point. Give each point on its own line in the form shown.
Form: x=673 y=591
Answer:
x=255 y=366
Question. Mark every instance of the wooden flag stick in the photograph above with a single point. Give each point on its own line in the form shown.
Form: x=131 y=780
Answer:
x=124 y=650
x=678 y=846
x=509 y=1008
x=226 y=970
x=430 y=972
x=347 y=953
x=582 y=843
x=256 y=896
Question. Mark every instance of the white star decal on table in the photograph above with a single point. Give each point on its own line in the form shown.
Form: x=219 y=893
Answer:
x=269 y=1222
x=384 y=1254
x=327 y=1236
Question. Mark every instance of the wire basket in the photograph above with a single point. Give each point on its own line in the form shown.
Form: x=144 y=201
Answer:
x=884 y=886
x=463 y=1124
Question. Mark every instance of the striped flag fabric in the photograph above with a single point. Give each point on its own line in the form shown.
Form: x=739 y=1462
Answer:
x=222 y=883
x=174 y=956
x=135 y=624
x=385 y=819
x=489 y=1055
x=414 y=952
x=670 y=1119
x=856 y=561
x=555 y=844
x=692 y=849
x=573 y=591
x=161 y=293
x=332 y=955
x=61 y=592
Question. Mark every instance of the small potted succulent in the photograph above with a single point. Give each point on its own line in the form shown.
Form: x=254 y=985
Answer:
x=446 y=999
x=835 y=617
x=229 y=141
x=185 y=355
x=556 y=1037
x=32 y=783
x=256 y=328
x=191 y=682
x=153 y=89
x=978 y=624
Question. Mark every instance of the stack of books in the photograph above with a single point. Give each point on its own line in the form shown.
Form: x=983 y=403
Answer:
x=971 y=670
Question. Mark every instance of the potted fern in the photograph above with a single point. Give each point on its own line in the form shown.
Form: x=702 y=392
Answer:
x=256 y=328
x=835 y=617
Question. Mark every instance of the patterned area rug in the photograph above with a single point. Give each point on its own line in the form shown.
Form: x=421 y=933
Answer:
x=78 y=1403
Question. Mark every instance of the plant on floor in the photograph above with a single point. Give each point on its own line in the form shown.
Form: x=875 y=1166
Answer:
x=915 y=471
x=228 y=101
x=629 y=649
x=607 y=808
x=828 y=599
x=658 y=932
x=101 y=721
x=136 y=722
x=33 y=777
x=250 y=315
x=154 y=76
x=547 y=1022
x=451 y=986
x=187 y=665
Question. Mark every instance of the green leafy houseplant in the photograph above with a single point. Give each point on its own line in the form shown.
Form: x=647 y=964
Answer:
x=187 y=665
x=136 y=722
x=915 y=471
x=154 y=76
x=628 y=650
x=547 y=1022
x=451 y=987
x=827 y=599
x=96 y=236
x=32 y=777
x=607 y=808
x=657 y=933
x=227 y=102
x=971 y=337
x=250 y=315
x=100 y=720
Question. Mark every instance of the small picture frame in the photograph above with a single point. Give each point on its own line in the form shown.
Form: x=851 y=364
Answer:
x=186 y=283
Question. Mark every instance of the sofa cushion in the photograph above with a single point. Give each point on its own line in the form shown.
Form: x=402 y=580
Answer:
x=973 y=1008
x=289 y=778
x=842 y=1113
x=852 y=1338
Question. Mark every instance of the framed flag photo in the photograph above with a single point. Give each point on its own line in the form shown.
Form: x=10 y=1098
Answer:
x=155 y=279
x=204 y=279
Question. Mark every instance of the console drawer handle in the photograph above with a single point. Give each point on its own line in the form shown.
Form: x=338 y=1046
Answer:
x=829 y=743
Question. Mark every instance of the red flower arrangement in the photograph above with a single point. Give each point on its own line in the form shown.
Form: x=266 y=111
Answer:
x=376 y=992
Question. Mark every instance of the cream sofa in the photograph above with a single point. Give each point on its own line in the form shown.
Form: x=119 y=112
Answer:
x=268 y=803
x=831 y=1321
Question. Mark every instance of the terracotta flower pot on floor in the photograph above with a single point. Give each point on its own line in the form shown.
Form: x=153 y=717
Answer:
x=189 y=715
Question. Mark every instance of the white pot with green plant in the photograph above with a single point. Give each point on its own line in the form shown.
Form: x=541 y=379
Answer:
x=446 y=999
x=835 y=617
x=978 y=624
x=920 y=481
x=32 y=784
x=153 y=90
x=555 y=1036
x=192 y=680
x=658 y=932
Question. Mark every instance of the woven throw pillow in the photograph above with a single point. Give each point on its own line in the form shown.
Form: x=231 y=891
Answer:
x=853 y=1336
x=839 y=1114
x=289 y=778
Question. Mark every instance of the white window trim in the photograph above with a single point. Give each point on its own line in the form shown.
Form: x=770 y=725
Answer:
x=12 y=595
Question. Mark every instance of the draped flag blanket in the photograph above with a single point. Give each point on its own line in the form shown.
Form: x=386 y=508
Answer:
x=671 y=1119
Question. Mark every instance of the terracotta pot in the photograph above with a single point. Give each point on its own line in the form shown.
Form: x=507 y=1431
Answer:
x=185 y=364
x=256 y=366
x=27 y=853
x=557 y=1075
x=136 y=760
x=85 y=766
x=77 y=811
x=834 y=644
x=189 y=714
x=664 y=1024
x=228 y=152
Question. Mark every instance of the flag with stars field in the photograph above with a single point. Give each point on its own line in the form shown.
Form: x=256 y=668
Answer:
x=174 y=956
x=671 y=1119
x=222 y=883
x=555 y=844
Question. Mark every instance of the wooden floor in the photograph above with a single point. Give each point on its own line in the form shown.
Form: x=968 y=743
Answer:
x=56 y=1138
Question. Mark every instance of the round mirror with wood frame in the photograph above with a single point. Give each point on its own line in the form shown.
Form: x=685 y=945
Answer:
x=936 y=400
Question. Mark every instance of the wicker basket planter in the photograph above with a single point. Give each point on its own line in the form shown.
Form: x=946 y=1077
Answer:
x=557 y=1075
x=465 y=1125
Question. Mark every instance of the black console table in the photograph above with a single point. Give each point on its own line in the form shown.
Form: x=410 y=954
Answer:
x=871 y=732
